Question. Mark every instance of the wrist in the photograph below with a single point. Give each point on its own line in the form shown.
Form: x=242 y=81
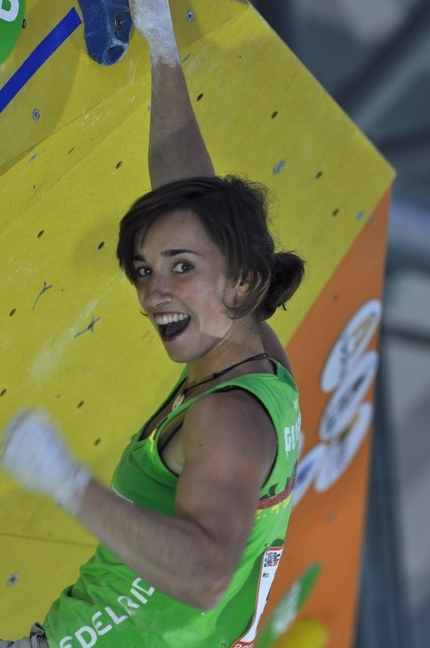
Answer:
x=163 y=49
x=71 y=490
x=34 y=453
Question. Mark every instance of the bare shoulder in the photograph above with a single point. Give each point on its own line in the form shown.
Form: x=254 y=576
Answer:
x=273 y=347
x=232 y=423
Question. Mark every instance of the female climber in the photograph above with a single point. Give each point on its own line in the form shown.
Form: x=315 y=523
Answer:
x=193 y=524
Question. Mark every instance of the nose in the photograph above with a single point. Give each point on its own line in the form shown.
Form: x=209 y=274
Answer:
x=155 y=291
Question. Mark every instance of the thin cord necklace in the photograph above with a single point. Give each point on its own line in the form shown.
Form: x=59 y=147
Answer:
x=184 y=392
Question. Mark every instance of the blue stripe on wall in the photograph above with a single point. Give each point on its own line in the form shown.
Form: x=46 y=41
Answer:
x=38 y=57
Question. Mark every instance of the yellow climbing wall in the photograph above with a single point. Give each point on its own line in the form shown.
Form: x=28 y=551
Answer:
x=72 y=158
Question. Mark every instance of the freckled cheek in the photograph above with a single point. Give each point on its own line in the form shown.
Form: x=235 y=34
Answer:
x=211 y=310
x=209 y=293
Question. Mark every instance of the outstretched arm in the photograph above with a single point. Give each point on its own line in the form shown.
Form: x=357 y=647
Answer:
x=176 y=146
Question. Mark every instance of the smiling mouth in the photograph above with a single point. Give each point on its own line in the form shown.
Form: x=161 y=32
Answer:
x=170 y=326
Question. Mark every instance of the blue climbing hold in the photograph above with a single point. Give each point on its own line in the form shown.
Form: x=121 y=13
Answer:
x=107 y=27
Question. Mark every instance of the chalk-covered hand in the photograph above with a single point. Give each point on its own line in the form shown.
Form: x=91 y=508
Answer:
x=153 y=20
x=33 y=452
x=150 y=15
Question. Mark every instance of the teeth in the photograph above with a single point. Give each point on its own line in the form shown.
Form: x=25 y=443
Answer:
x=169 y=318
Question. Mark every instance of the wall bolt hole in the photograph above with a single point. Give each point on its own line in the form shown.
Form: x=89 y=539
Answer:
x=41 y=233
x=119 y=22
x=12 y=312
x=3 y=392
x=118 y=164
x=200 y=97
x=335 y=212
x=12 y=580
x=279 y=167
x=101 y=245
x=81 y=404
x=97 y=441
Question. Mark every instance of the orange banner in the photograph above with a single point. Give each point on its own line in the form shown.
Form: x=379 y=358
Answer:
x=334 y=356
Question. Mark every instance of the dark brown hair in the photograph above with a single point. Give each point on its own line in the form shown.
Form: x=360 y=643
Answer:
x=234 y=214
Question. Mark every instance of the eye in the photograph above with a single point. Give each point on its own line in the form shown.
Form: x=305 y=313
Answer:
x=142 y=271
x=182 y=267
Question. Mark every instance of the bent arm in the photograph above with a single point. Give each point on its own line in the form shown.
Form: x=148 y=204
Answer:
x=229 y=447
x=176 y=146
x=173 y=555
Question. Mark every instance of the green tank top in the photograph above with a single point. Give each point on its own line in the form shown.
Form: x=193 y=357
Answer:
x=110 y=607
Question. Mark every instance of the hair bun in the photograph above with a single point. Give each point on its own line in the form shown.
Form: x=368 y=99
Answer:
x=287 y=273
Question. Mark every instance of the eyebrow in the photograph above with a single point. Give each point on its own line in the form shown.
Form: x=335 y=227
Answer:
x=167 y=253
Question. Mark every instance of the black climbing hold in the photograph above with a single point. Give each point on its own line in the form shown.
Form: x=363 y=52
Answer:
x=107 y=27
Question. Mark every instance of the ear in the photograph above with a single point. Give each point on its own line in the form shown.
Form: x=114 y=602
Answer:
x=243 y=286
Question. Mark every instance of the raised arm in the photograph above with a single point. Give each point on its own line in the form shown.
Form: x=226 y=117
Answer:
x=176 y=146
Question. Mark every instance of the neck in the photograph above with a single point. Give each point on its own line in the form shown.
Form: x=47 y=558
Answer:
x=220 y=358
x=183 y=393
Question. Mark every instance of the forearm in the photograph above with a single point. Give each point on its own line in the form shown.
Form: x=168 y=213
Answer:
x=176 y=556
x=176 y=146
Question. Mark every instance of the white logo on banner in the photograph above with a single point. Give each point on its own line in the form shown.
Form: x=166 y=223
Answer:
x=349 y=373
